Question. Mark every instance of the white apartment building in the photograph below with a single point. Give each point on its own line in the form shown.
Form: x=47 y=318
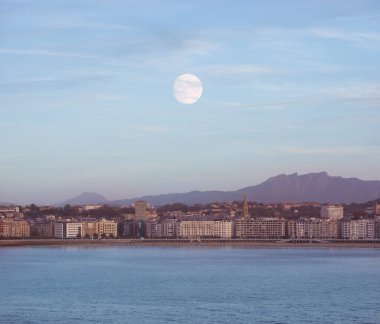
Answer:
x=358 y=229
x=74 y=230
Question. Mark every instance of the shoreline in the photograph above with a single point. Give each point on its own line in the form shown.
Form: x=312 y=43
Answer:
x=253 y=243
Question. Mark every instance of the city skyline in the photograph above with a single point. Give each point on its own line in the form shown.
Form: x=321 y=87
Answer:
x=86 y=100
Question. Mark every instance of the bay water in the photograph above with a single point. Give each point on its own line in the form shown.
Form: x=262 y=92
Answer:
x=119 y=284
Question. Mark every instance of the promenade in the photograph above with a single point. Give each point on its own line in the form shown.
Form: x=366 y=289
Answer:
x=281 y=243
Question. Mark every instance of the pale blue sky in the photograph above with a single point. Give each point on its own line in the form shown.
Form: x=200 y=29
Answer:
x=86 y=98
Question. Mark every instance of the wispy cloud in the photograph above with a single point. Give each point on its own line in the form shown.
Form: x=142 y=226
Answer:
x=47 y=83
x=292 y=96
x=344 y=35
x=355 y=92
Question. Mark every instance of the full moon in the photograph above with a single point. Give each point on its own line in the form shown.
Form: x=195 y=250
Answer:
x=187 y=89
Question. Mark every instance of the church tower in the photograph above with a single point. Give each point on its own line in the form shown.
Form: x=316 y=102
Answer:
x=245 y=213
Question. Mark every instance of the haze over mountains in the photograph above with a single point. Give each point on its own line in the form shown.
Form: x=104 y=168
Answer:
x=319 y=187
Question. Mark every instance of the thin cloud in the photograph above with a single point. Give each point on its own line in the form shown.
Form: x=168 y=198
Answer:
x=362 y=92
x=47 y=83
x=354 y=37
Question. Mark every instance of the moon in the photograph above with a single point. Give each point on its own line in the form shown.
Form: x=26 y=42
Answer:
x=187 y=89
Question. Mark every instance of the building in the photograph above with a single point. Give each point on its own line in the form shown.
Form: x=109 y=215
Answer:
x=42 y=230
x=345 y=230
x=89 y=227
x=133 y=229
x=260 y=228
x=153 y=229
x=74 y=230
x=9 y=209
x=376 y=208
x=314 y=228
x=106 y=228
x=141 y=207
x=68 y=230
x=205 y=228
x=59 y=230
x=169 y=228
x=358 y=229
x=377 y=226
x=91 y=207
x=334 y=228
x=245 y=211
x=10 y=228
x=332 y=212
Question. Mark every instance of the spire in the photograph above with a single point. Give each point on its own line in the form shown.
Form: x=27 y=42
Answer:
x=245 y=213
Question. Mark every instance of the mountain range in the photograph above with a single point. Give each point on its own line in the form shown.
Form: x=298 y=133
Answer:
x=319 y=187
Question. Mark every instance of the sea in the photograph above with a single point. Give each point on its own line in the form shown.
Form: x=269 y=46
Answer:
x=120 y=284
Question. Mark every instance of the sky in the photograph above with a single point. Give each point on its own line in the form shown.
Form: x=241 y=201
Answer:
x=86 y=99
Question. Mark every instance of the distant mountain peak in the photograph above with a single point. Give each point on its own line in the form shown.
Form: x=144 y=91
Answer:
x=88 y=194
x=86 y=198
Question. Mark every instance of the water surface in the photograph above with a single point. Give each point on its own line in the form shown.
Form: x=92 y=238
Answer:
x=188 y=285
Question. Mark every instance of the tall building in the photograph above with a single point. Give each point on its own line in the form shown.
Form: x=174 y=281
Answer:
x=245 y=212
x=332 y=212
x=141 y=207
